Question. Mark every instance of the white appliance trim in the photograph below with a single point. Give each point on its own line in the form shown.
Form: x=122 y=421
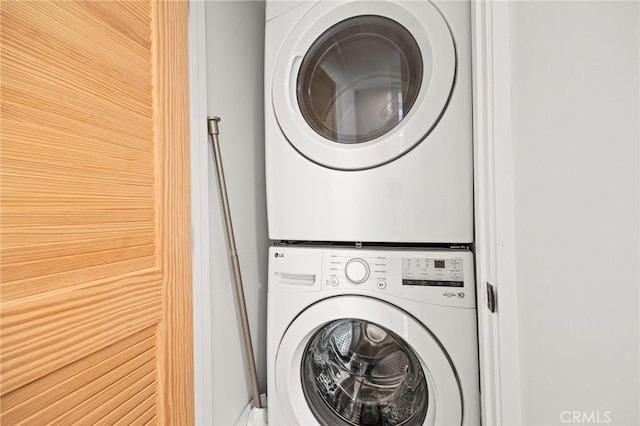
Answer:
x=494 y=213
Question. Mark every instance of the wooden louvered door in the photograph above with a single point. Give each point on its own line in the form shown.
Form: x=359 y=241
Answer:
x=95 y=290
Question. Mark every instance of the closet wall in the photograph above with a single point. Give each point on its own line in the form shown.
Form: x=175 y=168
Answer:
x=226 y=58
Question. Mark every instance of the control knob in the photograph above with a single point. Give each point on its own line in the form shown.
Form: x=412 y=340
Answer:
x=357 y=270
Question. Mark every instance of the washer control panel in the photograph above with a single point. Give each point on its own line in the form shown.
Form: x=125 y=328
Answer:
x=348 y=268
x=439 y=276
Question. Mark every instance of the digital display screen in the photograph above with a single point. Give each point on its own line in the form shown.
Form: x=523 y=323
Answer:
x=432 y=272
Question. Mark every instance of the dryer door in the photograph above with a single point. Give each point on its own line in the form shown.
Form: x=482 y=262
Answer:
x=355 y=360
x=358 y=84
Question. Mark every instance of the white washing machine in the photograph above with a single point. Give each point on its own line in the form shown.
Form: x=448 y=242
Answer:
x=371 y=337
x=368 y=121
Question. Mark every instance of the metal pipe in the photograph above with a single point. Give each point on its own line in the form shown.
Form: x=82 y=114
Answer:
x=212 y=124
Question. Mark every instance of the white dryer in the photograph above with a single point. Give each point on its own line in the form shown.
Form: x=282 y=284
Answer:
x=368 y=121
x=371 y=337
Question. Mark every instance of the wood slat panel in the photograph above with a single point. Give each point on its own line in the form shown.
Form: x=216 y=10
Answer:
x=16 y=290
x=133 y=18
x=34 y=235
x=39 y=395
x=174 y=206
x=85 y=320
x=110 y=149
x=85 y=43
x=124 y=142
x=95 y=236
x=63 y=203
x=65 y=311
x=98 y=391
x=73 y=217
x=142 y=399
x=90 y=186
x=40 y=252
x=54 y=265
x=119 y=143
x=77 y=94
x=117 y=400
x=13 y=400
x=149 y=417
x=134 y=416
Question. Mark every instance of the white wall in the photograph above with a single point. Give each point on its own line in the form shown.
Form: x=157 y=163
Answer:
x=576 y=137
x=226 y=59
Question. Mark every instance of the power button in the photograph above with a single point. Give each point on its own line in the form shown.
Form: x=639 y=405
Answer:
x=382 y=284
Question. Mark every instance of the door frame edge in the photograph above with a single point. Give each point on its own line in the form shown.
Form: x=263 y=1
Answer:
x=202 y=302
x=494 y=213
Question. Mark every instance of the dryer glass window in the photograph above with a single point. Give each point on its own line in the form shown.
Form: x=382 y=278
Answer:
x=359 y=373
x=359 y=79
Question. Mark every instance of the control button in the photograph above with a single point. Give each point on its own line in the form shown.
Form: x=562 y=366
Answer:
x=334 y=282
x=382 y=284
x=357 y=270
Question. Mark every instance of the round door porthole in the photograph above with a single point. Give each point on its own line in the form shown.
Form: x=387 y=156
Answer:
x=356 y=372
x=356 y=85
x=359 y=79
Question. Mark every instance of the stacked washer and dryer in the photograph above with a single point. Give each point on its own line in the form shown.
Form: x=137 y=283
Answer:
x=371 y=300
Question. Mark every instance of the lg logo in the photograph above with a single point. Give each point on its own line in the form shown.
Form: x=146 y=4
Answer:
x=586 y=417
x=279 y=254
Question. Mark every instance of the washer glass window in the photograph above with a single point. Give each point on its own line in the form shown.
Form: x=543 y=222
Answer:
x=359 y=79
x=356 y=372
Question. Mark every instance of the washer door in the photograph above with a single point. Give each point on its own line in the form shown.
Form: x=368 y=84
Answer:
x=358 y=84
x=355 y=360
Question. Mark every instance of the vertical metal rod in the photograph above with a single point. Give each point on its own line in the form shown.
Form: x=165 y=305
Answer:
x=212 y=123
